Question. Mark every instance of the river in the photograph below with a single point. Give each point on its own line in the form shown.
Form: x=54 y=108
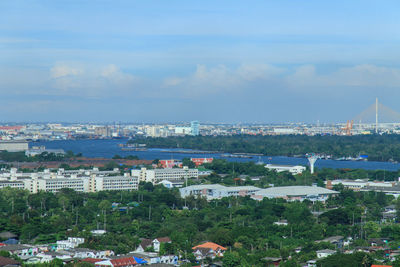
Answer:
x=109 y=148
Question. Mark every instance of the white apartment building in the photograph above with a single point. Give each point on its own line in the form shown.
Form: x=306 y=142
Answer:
x=157 y=175
x=55 y=185
x=115 y=183
x=12 y=184
x=282 y=168
x=80 y=182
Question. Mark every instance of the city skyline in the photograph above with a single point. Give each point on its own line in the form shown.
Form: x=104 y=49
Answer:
x=231 y=62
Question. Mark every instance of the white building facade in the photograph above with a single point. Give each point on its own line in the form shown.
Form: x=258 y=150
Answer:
x=158 y=175
x=282 y=168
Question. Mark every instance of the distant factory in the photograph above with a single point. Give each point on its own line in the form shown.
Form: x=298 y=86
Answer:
x=14 y=145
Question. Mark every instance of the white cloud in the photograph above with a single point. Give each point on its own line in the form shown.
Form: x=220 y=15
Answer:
x=173 y=81
x=113 y=73
x=89 y=80
x=220 y=78
x=258 y=71
x=62 y=69
x=359 y=76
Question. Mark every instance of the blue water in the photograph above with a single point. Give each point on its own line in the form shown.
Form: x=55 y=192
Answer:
x=109 y=148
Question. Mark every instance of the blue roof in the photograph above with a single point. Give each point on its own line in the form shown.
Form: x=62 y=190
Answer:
x=139 y=260
x=11 y=241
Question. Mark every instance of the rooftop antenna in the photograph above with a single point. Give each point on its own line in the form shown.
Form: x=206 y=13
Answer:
x=312 y=158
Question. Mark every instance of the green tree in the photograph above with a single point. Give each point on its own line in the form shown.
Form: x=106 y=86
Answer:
x=231 y=259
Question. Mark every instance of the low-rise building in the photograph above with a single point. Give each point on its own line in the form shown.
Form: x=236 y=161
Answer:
x=296 y=193
x=156 y=175
x=359 y=184
x=152 y=243
x=325 y=253
x=71 y=242
x=14 y=145
x=78 y=180
x=338 y=241
x=281 y=223
x=115 y=183
x=55 y=185
x=208 y=250
x=37 y=150
x=201 y=161
x=172 y=184
x=12 y=184
x=216 y=191
x=286 y=168
x=120 y=262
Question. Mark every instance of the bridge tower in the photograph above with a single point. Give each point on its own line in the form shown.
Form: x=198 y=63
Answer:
x=312 y=158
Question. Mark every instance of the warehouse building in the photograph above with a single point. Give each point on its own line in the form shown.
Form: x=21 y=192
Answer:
x=296 y=193
x=216 y=191
x=14 y=145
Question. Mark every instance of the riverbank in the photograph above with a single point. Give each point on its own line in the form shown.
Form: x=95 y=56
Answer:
x=108 y=148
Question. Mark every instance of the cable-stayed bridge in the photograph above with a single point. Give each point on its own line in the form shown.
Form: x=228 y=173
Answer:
x=376 y=116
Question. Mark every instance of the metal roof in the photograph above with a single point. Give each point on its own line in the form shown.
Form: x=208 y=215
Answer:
x=295 y=191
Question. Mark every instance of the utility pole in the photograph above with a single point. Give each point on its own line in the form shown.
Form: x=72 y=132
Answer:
x=150 y=213
x=105 y=220
x=376 y=115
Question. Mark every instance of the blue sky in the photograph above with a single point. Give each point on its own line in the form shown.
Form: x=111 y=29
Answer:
x=216 y=61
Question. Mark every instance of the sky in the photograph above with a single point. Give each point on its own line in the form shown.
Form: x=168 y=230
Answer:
x=213 y=61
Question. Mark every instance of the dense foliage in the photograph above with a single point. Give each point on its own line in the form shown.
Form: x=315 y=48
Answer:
x=242 y=224
x=377 y=147
x=44 y=156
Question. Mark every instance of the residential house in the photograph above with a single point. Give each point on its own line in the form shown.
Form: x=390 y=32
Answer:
x=121 y=262
x=71 y=242
x=22 y=251
x=325 y=253
x=378 y=242
x=33 y=260
x=98 y=232
x=51 y=255
x=208 y=250
x=153 y=258
x=311 y=263
x=335 y=240
x=11 y=241
x=7 y=235
x=155 y=244
x=83 y=253
x=271 y=261
x=281 y=223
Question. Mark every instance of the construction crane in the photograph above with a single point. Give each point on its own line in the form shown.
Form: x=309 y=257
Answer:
x=348 y=128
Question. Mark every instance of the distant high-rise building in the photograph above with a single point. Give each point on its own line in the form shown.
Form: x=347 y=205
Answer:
x=103 y=131
x=195 y=127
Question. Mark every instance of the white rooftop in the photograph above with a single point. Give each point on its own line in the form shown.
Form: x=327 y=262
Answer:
x=295 y=191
